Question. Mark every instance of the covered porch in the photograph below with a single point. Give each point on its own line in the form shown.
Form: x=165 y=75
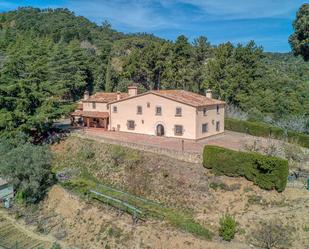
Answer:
x=90 y=119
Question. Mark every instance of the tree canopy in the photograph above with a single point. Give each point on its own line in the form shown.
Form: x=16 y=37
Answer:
x=299 y=40
x=27 y=167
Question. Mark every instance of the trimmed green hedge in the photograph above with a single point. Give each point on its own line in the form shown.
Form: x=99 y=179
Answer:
x=266 y=172
x=266 y=130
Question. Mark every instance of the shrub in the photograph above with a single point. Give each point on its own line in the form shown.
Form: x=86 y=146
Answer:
x=255 y=199
x=266 y=130
x=223 y=186
x=272 y=234
x=228 y=227
x=299 y=138
x=87 y=153
x=265 y=171
x=55 y=245
x=255 y=115
x=306 y=228
x=117 y=154
x=218 y=185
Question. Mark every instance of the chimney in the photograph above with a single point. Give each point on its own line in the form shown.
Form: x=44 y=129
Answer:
x=132 y=91
x=209 y=94
x=86 y=95
x=118 y=95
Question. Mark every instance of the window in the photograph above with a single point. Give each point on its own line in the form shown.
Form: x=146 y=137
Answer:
x=205 y=128
x=178 y=111
x=218 y=126
x=218 y=109
x=139 y=109
x=93 y=105
x=131 y=125
x=114 y=109
x=205 y=111
x=158 y=110
x=148 y=104
x=178 y=130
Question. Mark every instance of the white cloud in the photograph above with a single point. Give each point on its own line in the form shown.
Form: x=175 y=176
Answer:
x=134 y=14
x=243 y=9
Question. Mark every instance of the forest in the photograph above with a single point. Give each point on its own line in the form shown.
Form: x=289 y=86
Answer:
x=49 y=57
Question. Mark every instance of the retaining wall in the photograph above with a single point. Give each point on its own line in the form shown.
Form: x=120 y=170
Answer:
x=191 y=157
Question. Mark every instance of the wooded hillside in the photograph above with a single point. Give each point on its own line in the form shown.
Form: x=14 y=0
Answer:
x=49 y=57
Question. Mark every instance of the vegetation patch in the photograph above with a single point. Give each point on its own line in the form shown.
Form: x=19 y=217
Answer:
x=27 y=167
x=255 y=199
x=272 y=234
x=266 y=130
x=306 y=228
x=265 y=171
x=178 y=219
x=216 y=185
x=13 y=237
x=228 y=227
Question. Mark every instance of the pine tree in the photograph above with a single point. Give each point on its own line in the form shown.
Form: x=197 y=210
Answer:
x=108 y=78
x=28 y=102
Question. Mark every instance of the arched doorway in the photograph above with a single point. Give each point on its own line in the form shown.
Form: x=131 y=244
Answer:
x=160 y=130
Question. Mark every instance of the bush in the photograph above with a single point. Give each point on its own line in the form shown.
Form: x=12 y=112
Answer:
x=117 y=154
x=272 y=234
x=55 y=245
x=299 y=138
x=265 y=171
x=228 y=227
x=266 y=130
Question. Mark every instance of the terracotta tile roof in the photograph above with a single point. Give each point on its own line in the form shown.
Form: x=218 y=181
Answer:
x=187 y=97
x=105 y=97
x=90 y=114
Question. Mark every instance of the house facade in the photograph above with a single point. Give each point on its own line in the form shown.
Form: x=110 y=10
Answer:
x=170 y=113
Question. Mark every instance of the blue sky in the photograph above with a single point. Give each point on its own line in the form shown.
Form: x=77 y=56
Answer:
x=268 y=22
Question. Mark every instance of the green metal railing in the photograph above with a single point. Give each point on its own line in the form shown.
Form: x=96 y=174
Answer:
x=137 y=213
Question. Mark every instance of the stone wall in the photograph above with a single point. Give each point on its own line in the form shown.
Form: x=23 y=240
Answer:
x=190 y=157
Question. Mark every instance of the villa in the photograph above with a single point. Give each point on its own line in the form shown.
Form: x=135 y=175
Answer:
x=170 y=113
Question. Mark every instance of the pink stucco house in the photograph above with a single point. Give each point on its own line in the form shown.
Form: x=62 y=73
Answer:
x=171 y=113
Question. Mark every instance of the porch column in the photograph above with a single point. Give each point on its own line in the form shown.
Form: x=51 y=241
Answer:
x=105 y=123
x=88 y=122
